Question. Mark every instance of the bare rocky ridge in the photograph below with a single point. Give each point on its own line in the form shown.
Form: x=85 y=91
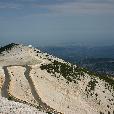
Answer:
x=31 y=78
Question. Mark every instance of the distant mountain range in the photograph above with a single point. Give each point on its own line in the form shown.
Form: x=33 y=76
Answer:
x=97 y=59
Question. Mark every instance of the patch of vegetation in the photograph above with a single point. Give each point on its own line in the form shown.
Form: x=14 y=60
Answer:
x=10 y=98
x=49 y=113
x=103 y=77
x=107 y=79
x=92 y=84
x=101 y=113
x=7 y=47
x=91 y=87
x=69 y=72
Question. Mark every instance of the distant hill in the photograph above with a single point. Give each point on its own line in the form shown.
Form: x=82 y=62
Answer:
x=32 y=81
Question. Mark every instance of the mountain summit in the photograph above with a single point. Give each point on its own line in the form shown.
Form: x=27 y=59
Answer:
x=36 y=82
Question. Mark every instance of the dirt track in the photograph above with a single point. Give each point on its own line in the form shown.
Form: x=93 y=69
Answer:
x=43 y=106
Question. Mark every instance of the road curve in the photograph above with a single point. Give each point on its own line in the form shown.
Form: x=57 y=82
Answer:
x=5 y=89
x=43 y=105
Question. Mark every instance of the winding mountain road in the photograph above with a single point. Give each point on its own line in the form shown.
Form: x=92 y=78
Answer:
x=43 y=106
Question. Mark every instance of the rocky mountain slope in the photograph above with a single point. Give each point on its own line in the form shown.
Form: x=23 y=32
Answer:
x=40 y=83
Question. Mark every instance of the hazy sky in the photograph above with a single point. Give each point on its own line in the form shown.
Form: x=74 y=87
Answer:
x=54 y=22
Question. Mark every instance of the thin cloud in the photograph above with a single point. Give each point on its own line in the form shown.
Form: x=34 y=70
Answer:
x=79 y=6
x=62 y=6
x=10 y=6
x=83 y=8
